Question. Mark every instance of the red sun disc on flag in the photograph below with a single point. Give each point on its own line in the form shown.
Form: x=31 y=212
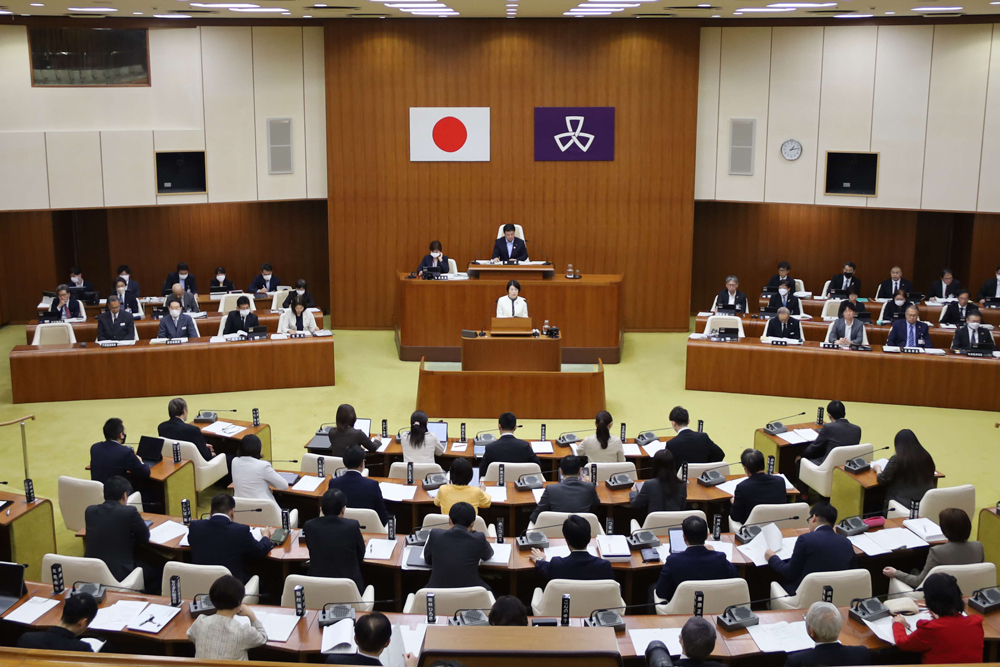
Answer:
x=449 y=134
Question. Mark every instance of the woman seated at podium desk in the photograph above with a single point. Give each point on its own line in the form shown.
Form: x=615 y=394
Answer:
x=435 y=260
x=512 y=305
x=297 y=319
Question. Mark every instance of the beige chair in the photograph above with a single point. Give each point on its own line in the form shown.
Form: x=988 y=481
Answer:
x=661 y=522
x=449 y=600
x=270 y=513
x=970 y=578
x=847 y=585
x=719 y=321
x=321 y=590
x=826 y=288
x=76 y=495
x=799 y=285
x=138 y=314
x=695 y=469
x=963 y=497
x=206 y=473
x=829 y=329
x=420 y=470
x=779 y=514
x=606 y=470
x=277 y=303
x=511 y=471
x=820 y=477
x=198 y=579
x=719 y=594
x=368 y=518
x=228 y=302
x=518 y=232
x=831 y=308
x=452 y=266
x=54 y=333
x=331 y=464
x=584 y=597
x=90 y=570
x=551 y=523
x=437 y=520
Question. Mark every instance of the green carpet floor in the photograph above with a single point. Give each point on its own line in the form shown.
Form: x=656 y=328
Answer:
x=641 y=391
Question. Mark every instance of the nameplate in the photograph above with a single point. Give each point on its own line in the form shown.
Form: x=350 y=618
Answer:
x=109 y=344
x=174 y=341
x=296 y=335
x=829 y=346
x=779 y=342
x=913 y=350
x=976 y=353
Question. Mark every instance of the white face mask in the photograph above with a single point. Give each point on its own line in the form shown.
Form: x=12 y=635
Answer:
x=182 y=275
x=244 y=312
x=121 y=290
x=266 y=276
x=221 y=277
x=300 y=291
x=175 y=313
x=76 y=281
x=782 y=291
x=435 y=254
x=973 y=325
x=125 y=276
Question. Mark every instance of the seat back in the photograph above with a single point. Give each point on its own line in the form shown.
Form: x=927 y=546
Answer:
x=195 y=579
x=838 y=456
x=81 y=310
x=719 y=594
x=269 y=515
x=420 y=470
x=188 y=451
x=75 y=496
x=662 y=522
x=780 y=515
x=452 y=266
x=228 y=302
x=321 y=590
x=77 y=568
x=550 y=523
x=449 y=600
x=881 y=313
x=438 y=520
x=54 y=333
x=518 y=232
x=331 y=464
x=970 y=577
x=511 y=471
x=584 y=596
x=695 y=469
x=847 y=585
x=606 y=470
x=799 y=285
x=831 y=308
x=368 y=518
x=826 y=288
x=222 y=326
x=963 y=497
x=727 y=321
x=279 y=298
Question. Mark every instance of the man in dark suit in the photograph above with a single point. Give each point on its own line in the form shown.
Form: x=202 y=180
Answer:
x=64 y=304
x=695 y=563
x=697 y=641
x=183 y=277
x=820 y=550
x=265 y=281
x=973 y=333
x=845 y=280
x=731 y=297
x=783 y=274
x=361 y=492
x=957 y=312
x=579 y=564
x=219 y=540
x=758 y=488
x=991 y=288
x=127 y=299
x=177 y=324
x=336 y=547
x=177 y=428
x=945 y=286
x=785 y=299
x=509 y=246
x=823 y=623
x=372 y=634
x=571 y=494
x=132 y=286
x=78 y=612
x=507 y=448
x=112 y=457
x=454 y=554
x=910 y=332
x=691 y=446
x=835 y=433
x=895 y=282
x=115 y=323
x=114 y=529
x=241 y=319
x=76 y=279
x=783 y=326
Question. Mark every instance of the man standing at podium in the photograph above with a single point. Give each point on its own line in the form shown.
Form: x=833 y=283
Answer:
x=509 y=246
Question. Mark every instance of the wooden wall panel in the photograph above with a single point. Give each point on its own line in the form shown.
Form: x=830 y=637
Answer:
x=632 y=216
x=27 y=263
x=985 y=256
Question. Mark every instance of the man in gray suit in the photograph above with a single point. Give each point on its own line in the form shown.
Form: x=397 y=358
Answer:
x=847 y=330
x=188 y=300
x=572 y=494
x=176 y=324
x=836 y=433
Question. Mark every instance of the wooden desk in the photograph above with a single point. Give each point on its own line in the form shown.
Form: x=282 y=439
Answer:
x=814 y=307
x=230 y=444
x=989 y=534
x=27 y=532
x=512 y=353
x=173 y=482
x=784 y=452
x=808 y=371
x=430 y=315
x=75 y=372
x=528 y=394
x=507 y=272
x=816 y=329
x=510 y=646
x=86 y=332
x=859 y=494
x=205 y=303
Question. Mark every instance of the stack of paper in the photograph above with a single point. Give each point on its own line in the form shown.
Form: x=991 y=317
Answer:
x=167 y=531
x=768 y=538
x=669 y=636
x=31 y=611
x=781 y=637
x=459 y=446
x=537 y=493
x=542 y=447
x=653 y=447
x=881 y=463
x=115 y=617
x=397 y=492
x=631 y=449
x=891 y=539
x=224 y=429
x=379 y=549
x=807 y=434
x=339 y=638
x=792 y=438
x=433 y=493
x=730 y=486
x=501 y=555
x=153 y=618
x=497 y=493
x=925 y=529
x=867 y=545
x=614 y=548
x=882 y=628
x=307 y=484
x=407 y=554
x=278 y=627
x=724 y=547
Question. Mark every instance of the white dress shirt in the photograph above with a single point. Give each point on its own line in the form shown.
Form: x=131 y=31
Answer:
x=516 y=308
x=253 y=478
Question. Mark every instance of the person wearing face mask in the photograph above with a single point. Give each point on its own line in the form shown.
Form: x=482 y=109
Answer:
x=64 y=304
x=436 y=259
x=910 y=332
x=847 y=330
x=852 y=299
x=297 y=318
x=731 y=296
x=509 y=246
x=945 y=287
x=785 y=299
x=220 y=280
x=957 y=312
x=177 y=324
x=240 y=319
x=183 y=277
x=188 y=301
x=301 y=289
x=845 y=280
x=990 y=289
x=895 y=283
x=265 y=281
x=125 y=273
x=783 y=274
x=512 y=305
x=783 y=326
x=127 y=299
x=973 y=333
x=896 y=307
x=112 y=457
x=76 y=279
x=116 y=323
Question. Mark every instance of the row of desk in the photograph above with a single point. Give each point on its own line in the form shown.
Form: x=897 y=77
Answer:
x=928 y=313
x=86 y=332
x=262 y=303
x=816 y=330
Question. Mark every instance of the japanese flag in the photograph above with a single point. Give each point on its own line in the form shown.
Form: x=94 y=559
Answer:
x=449 y=134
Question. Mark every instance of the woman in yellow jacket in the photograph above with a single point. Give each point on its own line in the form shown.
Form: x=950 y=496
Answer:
x=459 y=490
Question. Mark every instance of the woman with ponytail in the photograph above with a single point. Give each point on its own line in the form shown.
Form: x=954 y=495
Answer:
x=602 y=447
x=419 y=445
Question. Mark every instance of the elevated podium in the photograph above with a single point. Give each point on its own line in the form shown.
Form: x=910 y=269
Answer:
x=512 y=271
x=508 y=347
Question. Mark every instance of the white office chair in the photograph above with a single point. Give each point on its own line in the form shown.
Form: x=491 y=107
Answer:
x=551 y=523
x=970 y=578
x=584 y=597
x=829 y=329
x=81 y=310
x=54 y=333
x=90 y=570
x=831 y=308
x=962 y=497
x=438 y=520
x=511 y=471
x=452 y=266
x=881 y=313
x=449 y=600
x=140 y=313
x=321 y=590
x=728 y=321
x=368 y=518
x=661 y=522
x=197 y=334
x=695 y=469
x=826 y=288
x=278 y=302
x=331 y=464
x=606 y=470
x=779 y=514
x=206 y=473
x=198 y=579
x=518 y=232
x=270 y=513
x=420 y=470
x=719 y=594
x=847 y=585
x=228 y=302
x=76 y=495
x=799 y=285
x=820 y=477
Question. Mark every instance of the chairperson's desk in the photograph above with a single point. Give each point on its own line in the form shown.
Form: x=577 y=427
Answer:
x=75 y=372
x=809 y=371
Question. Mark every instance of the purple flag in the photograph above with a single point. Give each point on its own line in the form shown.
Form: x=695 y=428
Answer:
x=574 y=133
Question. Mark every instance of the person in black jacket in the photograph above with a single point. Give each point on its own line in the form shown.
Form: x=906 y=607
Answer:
x=509 y=246
x=265 y=281
x=372 y=634
x=302 y=290
x=758 y=488
x=945 y=287
x=344 y=434
x=846 y=280
x=125 y=273
x=958 y=312
x=698 y=641
x=64 y=304
x=78 y=612
x=835 y=433
x=571 y=494
x=990 y=289
x=435 y=259
x=973 y=333
x=112 y=457
x=787 y=299
x=77 y=280
x=731 y=297
x=183 y=277
x=851 y=301
x=695 y=563
x=691 y=446
x=664 y=492
x=783 y=326
x=361 y=492
x=895 y=283
x=336 y=546
x=114 y=529
x=507 y=448
x=128 y=300
x=220 y=280
x=240 y=319
x=177 y=428
x=823 y=623
x=454 y=554
x=783 y=274
x=579 y=564
x=115 y=323
x=820 y=550
x=897 y=304
x=219 y=540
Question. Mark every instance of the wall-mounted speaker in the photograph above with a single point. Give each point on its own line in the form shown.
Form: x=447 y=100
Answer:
x=852 y=174
x=181 y=172
x=741 y=139
x=279 y=146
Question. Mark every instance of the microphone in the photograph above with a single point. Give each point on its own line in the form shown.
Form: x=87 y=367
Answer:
x=326 y=431
x=712 y=476
x=739 y=616
x=858 y=465
x=535 y=245
x=647 y=437
x=470 y=617
x=531 y=480
x=861 y=523
x=776 y=427
x=98 y=591
x=209 y=416
x=333 y=612
x=645 y=538
x=610 y=618
x=534 y=540
x=284 y=460
x=751 y=530
x=569 y=437
x=3 y=482
x=657 y=655
x=622 y=480
x=872 y=609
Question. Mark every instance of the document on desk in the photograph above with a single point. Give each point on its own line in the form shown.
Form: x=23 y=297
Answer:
x=497 y=493
x=31 y=611
x=308 y=483
x=153 y=618
x=724 y=547
x=397 y=492
x=768 y=538
x=925 y=529
x=408 y=556
x=256 y=534
x=115 y=617
x=339 y=638
x=781 y=637
x=278 y=627
x=730 y=486
x=892 y=539
x=224 y=429
x=869 y=546
x=167 y=531
x=631 y=449
x=501 y=555
x=653 y=447
x=882 y=628
x=95 y=644
x=459 y=446
x=384 y=446
x=379 y=549
x=792 y=438
x=669 y=636
x=537 y=493
x=788 y=485
x=542 y=447
x=433 y=493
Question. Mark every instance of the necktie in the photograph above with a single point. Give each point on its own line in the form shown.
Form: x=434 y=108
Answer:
x=910 y=339
x=895 y=286
x=114 y=319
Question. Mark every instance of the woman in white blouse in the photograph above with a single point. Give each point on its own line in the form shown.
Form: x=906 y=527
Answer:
x=252 y=477
x=602 y=447
x=297 y=318
x=512 y=305
x=420 y=445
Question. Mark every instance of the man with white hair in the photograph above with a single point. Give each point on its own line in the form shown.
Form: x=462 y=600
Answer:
x=823 y=623
x=783 y=326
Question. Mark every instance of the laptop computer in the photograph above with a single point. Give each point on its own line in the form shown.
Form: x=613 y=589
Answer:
x=440 y=431
x=217 y=289
x=290 y=477
x=150 y=449
x=257 y=332
x=772 y=289
x=863 y=315
x=915 y=297
x=45 y=318
x=729 y=333
x=364 y=425
x=11 y=585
